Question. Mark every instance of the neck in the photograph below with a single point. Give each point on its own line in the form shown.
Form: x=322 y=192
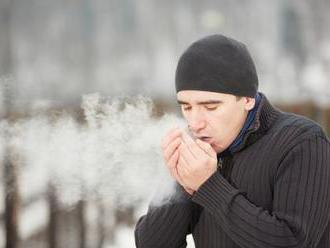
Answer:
x=248 y=121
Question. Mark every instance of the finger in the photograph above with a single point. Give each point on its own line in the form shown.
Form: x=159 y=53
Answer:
x=186 y=152
x=170 y=149
x=172 y=162
x=183 y=171
x=183 y=167
x=174 y=173
x=206 y=147
x=172 y=165
x=170 y=136
x=192 y=146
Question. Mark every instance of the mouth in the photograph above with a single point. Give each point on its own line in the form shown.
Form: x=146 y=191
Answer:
x=205 y=139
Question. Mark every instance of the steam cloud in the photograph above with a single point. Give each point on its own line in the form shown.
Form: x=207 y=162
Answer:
x=116 y=155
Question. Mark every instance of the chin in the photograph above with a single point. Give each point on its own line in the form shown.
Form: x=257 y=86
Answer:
x=216 y=148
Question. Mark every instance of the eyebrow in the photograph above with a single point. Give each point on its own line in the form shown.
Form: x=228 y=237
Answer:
x=202 y=102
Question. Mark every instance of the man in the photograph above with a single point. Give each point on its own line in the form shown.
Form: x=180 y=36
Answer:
x=253 y=177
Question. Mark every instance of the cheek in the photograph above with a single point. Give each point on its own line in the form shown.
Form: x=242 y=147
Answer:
x=220 y=119
x=217 y=123
x=224 y=123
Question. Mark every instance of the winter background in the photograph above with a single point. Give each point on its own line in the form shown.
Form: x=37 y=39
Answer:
x=87 y=93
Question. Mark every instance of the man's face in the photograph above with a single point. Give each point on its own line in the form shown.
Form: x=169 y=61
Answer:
x=215 y=118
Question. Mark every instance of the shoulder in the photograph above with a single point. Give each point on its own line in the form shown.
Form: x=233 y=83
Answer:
x=291 y=131
x=293 y=139
x=296 y=127
x=290 y=127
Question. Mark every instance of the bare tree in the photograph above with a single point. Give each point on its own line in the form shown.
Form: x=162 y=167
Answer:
x=101 y=219
x=53 y=217
x=11 y=200
x=82 y=225
x=10 y=169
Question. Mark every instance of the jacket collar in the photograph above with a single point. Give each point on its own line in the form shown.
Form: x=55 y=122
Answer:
x=248 y=122
x=265 y=117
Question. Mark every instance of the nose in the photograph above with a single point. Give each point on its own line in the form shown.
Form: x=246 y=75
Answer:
x=196 y=122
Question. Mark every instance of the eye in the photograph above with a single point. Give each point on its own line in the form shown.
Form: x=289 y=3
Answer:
x=211 y=107
x=186 y=107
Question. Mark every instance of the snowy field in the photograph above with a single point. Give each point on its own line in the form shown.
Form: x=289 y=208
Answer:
x=125 y=239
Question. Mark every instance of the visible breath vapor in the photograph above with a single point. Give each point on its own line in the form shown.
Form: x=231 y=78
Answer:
x=114 y=155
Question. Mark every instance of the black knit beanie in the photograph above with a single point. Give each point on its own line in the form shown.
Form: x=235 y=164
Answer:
x=219 y=64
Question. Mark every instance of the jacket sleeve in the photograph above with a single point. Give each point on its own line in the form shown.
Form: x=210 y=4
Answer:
x=166 y=225
x=300 y=202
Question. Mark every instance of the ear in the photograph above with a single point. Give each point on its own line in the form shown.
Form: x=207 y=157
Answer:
x=249 y=103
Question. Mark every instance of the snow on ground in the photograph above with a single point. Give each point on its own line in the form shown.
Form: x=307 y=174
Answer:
x=125 y=239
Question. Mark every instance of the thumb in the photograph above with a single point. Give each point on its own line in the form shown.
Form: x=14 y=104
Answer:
x=206 y=147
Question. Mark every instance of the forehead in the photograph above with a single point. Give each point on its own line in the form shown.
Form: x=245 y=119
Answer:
x=195 y=96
